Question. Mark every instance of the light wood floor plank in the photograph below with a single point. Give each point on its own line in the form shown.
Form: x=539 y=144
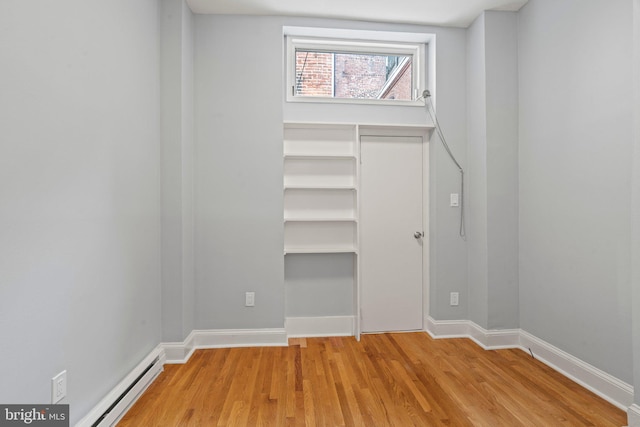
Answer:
x=383 y=380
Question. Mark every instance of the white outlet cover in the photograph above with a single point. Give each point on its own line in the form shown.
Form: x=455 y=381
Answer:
x=59 y=387
x=454 y=298
x=250 y=299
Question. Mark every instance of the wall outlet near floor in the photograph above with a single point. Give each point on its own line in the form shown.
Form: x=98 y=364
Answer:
x=454 y=298
x=250 y=299
x=59 y=387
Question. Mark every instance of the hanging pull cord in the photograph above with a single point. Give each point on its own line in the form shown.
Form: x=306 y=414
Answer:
x=426 y=95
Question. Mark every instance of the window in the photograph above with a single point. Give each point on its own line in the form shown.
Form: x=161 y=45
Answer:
x=323 y=69
x=353 y=75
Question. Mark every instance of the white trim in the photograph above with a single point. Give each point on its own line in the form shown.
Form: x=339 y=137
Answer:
x=121 y=408
x=633 y=415
x=488 y=340
x=327 y=326
x=441 y=329
x=228 y=338
x=498 y=339
x=369 y=42
x=178 y=353
x=610 y=388
x=356 y=46
x=607 y=386
x=341 y=33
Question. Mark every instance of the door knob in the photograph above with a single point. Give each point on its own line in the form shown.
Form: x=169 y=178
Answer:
x=418 y=234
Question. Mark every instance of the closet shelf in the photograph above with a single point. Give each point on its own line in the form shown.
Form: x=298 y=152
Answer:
x=320 y=219
x=327 y=250
x=319 y=187
x=319 y=157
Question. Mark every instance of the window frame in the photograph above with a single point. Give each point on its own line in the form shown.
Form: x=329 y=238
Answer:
x=358 y=42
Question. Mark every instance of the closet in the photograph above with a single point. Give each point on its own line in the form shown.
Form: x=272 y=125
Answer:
x=322 y=230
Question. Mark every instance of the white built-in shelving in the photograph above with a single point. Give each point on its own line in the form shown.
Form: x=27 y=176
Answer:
x=320 y=188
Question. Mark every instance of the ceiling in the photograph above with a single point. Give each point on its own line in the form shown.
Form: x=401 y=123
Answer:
x=454 y=13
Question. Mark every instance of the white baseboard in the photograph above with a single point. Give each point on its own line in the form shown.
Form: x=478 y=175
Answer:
x=497 y=339
x=633 y=415
x=488 y=340
x=608 y=387
x=226 y=338
x=177 y=353
x=132 y=395
x=440 y=329
x=328 y=326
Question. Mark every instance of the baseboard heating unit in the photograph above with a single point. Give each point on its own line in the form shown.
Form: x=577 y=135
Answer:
x=129 y=396
x=115 y=405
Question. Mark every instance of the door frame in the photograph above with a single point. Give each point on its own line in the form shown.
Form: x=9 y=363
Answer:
x=400 y=131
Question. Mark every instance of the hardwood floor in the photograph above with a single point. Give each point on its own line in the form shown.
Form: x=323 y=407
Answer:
x=383 y=380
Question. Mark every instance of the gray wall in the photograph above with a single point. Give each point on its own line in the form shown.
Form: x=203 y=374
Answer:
x=575 y=172
x=188 y=169
x=80 y=192
x=476 y=197
x=502 y=168
x=635 y=212
x=448 y=251
x=319 y=285
x=493 y=170
x=176 y=79
x=238 y=178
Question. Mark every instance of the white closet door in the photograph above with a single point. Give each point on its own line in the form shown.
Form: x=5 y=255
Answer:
x=390 y=244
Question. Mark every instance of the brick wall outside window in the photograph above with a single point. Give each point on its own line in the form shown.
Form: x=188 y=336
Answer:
x=354 y=76
x=359 y=76
x=313 y=74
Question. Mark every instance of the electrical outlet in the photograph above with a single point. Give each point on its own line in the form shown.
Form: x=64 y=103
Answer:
x=250 y=299
x=454 y=298
x=454 y=200
x=59 y=387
